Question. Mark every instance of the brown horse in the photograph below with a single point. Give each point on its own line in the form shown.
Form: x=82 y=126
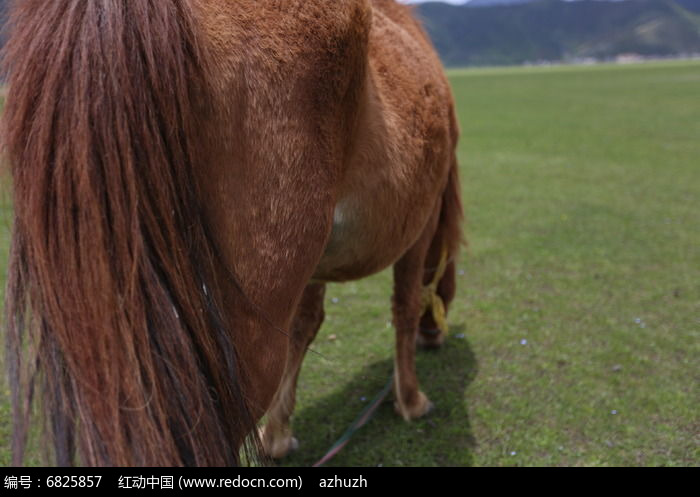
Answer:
x=188 y=174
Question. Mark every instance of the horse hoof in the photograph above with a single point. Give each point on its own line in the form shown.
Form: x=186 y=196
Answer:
x=293 y=445
x=281 y=448
x=422 y=407
x=277 y=447
x=428 y=338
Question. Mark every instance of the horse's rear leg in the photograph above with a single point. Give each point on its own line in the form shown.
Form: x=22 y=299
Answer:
x=440 y=264
x=432 y=330
x=407 y=309
x=276 y=435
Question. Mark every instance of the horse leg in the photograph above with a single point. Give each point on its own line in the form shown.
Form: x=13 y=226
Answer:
x=440 y=263
x=430 y=334
x=410 y=403
x=276 y=435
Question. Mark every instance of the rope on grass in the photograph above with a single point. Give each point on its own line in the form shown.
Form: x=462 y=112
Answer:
x=359 y=422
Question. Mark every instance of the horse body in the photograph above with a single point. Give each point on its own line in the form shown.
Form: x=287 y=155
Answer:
x=318 y=145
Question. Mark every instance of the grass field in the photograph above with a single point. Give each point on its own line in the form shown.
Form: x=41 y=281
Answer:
x=576 y=331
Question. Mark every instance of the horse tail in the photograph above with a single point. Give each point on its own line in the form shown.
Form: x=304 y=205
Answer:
x=452 y=213
x=112 y=311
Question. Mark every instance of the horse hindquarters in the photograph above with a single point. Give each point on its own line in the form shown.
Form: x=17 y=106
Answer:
x=272 y=173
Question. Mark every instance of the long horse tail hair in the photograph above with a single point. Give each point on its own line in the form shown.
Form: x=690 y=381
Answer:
x=113 y=316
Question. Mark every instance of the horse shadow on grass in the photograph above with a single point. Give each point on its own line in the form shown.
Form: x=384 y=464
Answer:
x=442 y=438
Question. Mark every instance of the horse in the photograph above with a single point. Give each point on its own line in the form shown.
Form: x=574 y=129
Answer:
x=187 y=177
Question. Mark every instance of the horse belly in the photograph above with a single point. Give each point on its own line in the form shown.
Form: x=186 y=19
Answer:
x=370 y=234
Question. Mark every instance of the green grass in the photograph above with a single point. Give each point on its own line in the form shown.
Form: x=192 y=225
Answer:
x=582 y=192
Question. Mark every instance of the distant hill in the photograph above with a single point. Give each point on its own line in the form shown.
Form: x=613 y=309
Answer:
x=500 y=32
x=492 y=3
x=554 y=30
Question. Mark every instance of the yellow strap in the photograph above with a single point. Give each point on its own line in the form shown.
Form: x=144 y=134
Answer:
x=431 y=299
